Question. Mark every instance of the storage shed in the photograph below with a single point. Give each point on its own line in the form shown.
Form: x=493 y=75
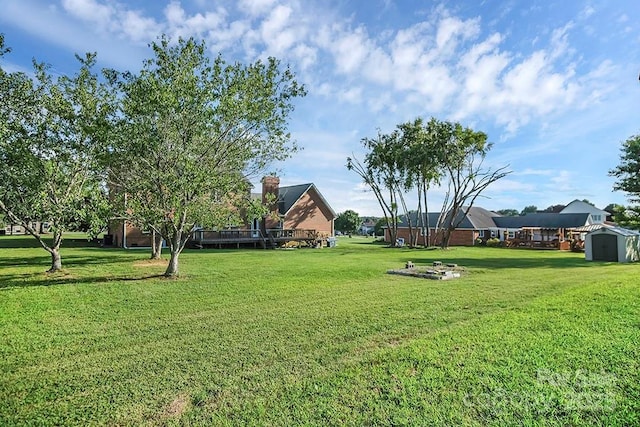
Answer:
x=613 y=244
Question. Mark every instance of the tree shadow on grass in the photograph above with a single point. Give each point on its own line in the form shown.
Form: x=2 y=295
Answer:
x=67 y=260
x=44 y=279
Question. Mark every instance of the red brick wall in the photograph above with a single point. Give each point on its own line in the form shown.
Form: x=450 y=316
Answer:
x=135 y=236
x=310 y=213
x=458 y=237
x=271 y=185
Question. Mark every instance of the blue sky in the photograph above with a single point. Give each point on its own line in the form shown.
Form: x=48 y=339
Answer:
x=553 y=83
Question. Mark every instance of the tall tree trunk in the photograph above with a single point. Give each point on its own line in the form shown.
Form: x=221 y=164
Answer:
x=446 y=235
x=420 y=219
x=412 y=230
x=176 y=246
x=428 y=239
x=172 y=268
x=156 y=245
x=56 y=260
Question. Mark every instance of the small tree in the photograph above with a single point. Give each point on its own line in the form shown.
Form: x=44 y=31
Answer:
x=50 y=134
x=528 y=210
x=381 y=171
x=193 y=130
x=378 y=229
x=554 y=208
x=348 y=222
x=508 y=212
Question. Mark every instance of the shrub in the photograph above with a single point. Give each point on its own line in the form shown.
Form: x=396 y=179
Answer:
x=493 y=242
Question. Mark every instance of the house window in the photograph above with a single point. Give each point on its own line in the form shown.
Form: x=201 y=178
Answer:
x=511 y=234
x=493 y=234
x=597 y=217
x=481 y=234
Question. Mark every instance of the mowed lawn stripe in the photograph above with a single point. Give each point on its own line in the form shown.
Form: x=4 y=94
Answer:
x=281 y=337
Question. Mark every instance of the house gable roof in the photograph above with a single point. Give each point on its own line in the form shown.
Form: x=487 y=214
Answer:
x=289 y=196
x=476 y=219
x=543 y=220
x=479 y=219
x=617 y=230
x=578 y=206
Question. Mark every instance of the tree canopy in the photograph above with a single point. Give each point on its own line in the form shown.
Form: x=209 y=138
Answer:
x=627 y=173
x=347 y=221
x=529 y=210
x=508 y=212
x=51 y=132
x=556 y=208
x=193 y=131
x=418 y=155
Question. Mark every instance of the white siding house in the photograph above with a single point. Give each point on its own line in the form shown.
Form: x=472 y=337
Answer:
x=596 y=216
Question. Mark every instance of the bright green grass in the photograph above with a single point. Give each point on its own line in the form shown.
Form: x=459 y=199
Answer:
x=318 y=337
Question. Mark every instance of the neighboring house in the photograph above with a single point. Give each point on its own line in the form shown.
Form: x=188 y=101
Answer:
x=40 y=227
x=476 y=224
x=548 y=230
x=536 y=230
x=596 y=216
x=368 y=226
x=298 y=207
x=299 y=213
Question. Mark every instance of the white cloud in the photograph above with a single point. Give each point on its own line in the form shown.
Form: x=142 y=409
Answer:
x=276 y=31
x=529 y=171
x=90 y=10
x=587 y=12
x=256 y=8
x=350 y=50
x=139 y=28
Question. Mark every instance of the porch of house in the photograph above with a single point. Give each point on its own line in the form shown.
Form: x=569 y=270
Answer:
x=539 y=238
x=255 y=238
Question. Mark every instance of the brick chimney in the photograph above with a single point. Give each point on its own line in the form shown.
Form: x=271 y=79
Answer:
x=271 y=185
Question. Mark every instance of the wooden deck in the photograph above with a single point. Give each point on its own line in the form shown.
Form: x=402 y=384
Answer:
x=255 y=238
x=538 y=244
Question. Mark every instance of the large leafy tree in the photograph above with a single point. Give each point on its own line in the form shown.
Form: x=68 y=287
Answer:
x=348 y=221
x=466 y=175
x=424 y=162
x=383 y=171
x=50 y=133
x=193 y=130
x=628 y=171
x=628 y=180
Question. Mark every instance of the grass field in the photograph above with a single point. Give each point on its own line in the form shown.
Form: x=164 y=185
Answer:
x=317 y=337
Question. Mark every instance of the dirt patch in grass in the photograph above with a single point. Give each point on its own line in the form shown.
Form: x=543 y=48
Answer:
x=177 y=407
x=150 y=263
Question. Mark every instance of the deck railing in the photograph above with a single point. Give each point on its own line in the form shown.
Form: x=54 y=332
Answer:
x=291 y=234
x=227 y=235
x=537 y=244
x=232 y=236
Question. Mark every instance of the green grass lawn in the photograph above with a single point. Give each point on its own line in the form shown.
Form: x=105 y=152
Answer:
x=317 y=337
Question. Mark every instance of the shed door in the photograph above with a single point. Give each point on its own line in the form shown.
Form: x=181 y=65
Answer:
x=605 y=247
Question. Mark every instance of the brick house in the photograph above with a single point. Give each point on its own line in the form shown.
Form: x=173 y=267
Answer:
x=299 y=212
x=470 y=228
